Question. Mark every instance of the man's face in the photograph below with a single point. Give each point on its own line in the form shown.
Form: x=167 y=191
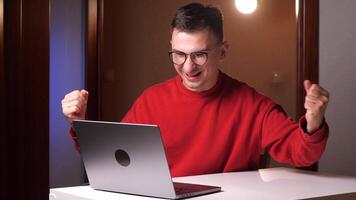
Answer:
x=198 y=77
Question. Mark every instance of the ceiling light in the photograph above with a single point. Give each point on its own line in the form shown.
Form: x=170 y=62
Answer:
x=246 y=6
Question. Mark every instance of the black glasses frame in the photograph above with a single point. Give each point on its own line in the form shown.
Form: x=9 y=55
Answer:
x=191 y=55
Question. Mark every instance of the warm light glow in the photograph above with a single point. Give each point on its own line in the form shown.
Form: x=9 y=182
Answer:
x=246 y=6
x=297 y=8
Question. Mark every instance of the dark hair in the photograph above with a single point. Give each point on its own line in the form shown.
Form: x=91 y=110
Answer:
x=196 y=16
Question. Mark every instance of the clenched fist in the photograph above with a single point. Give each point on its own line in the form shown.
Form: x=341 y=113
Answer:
x=316 y=101
x=74 y=105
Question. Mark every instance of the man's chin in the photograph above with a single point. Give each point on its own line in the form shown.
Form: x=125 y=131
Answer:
x=193 y=86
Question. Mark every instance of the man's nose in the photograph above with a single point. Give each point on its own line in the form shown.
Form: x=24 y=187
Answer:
x=189 y=65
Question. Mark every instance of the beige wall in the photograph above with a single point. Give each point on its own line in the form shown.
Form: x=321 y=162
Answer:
x=337 y=68
x=136 y=41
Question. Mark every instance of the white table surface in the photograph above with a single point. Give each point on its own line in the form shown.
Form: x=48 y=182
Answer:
x=271 y=183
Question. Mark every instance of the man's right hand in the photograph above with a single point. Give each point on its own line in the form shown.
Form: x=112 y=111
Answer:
x=74 y=105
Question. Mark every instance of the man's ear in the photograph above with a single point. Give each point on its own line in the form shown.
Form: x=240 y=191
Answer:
x=224 y=48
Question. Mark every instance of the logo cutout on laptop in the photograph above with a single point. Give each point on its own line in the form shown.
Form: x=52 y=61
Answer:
x=122 y=157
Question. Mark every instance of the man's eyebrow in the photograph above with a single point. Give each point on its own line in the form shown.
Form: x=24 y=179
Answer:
x=175 y=50
x=202 y=50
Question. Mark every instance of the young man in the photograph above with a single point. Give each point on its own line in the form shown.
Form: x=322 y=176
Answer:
x=211 y=122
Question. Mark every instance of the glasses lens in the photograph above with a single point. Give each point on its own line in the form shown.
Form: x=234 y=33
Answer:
x=199 y=58
x=177 y=58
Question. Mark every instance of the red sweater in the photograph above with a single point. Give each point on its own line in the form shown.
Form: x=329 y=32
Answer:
x=223 y=129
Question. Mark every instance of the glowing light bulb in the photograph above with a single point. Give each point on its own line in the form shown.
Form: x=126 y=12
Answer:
x=246 y=6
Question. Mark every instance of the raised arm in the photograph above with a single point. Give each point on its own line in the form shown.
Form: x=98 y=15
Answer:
x=74 y=106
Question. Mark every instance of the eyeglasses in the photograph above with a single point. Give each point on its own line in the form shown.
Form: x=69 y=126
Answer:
x=179 y=58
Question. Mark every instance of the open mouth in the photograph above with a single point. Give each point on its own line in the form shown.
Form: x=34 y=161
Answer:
x=196 y=74
x=193 y=77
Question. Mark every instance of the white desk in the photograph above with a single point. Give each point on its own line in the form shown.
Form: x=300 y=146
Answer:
x=272 y=183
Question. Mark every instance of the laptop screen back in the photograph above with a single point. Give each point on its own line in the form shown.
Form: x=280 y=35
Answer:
x=124 y=158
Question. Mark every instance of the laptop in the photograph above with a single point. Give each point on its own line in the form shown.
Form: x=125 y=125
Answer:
x=130 y=158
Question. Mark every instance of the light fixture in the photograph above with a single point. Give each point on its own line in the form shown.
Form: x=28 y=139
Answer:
x=246 y=6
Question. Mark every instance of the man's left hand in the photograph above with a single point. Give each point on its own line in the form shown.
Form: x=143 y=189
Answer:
x=316 y=101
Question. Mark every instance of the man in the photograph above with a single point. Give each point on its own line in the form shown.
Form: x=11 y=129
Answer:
x=211 y=122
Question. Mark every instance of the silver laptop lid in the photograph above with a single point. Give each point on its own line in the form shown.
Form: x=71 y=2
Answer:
x=124 y=158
